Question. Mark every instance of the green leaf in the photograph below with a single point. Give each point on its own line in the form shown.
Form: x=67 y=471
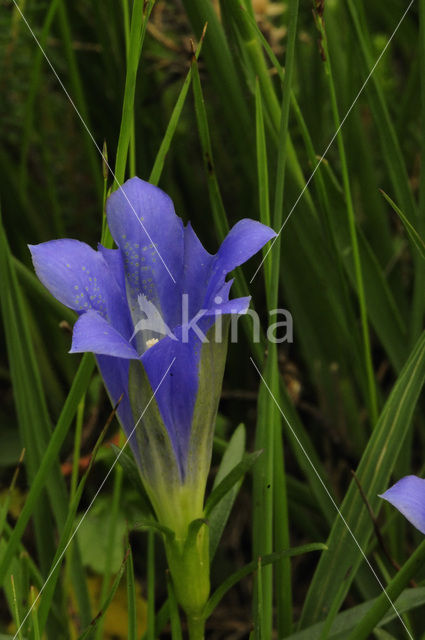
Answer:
x=132 y=471
x=94 y=548
x=220 y=513
x=346 y=620
x=42 y=444
x=176 y=632
x=232 y=478
x=78 y=388
x=391 y=152
x=253 y=566
x=217 y=206
x=137 y=35
x=377 y=611
x=211 y=370
x=172 y=124
x=192 y=533
x=339 y=567
x=131 y=599
x=413 y=234
x=157 y=527
x=66 y=537
x=88 y=633
x=219 y=61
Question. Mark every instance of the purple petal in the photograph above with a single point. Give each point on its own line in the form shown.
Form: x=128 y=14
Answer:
x=241 y=243
x=408 y=496
x=145 y=227
x=114 y=372
x=236 y=306
x=114 y=260
x=79 y=277
x=197 y=270
x=224 y=292
x=177 y=394
x=94 y=333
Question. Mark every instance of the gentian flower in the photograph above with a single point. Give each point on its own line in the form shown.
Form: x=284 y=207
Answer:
x=149 y=310
x=408 y=496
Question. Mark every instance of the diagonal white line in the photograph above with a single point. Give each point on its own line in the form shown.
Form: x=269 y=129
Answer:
x=331 y=498
x=322 y=157
x=93 y=499
x=91 y=135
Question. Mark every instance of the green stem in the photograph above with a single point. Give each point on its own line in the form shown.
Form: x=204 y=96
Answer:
x=150 y=632
x=196 y=627
x=372 y=399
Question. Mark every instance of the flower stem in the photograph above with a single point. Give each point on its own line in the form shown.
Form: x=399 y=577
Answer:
x=196 y=627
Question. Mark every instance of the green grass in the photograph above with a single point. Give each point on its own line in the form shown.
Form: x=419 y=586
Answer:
x=231 y=125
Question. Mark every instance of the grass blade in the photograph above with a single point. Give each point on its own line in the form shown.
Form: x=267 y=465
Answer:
x=220 y=513
x=373 y=472
x=131 y=600
x=264 y=561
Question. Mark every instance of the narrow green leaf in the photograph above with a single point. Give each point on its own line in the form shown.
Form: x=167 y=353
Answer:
x=157 y=527
x=111 y=537
x=262 y=170
x=220 y=513
x=68 y=535
x=78 y=94
x=176 y=631
x=193 y=531
x=373 y=473
x=230 y=480
x=354 y=242
x=131 y=600
x=252 y=566
x=391 y=152
x=34 y=616
x=16 y=612
x=126 y=460
x=219 y=214
x=222 y=71
x=346 y=620
x=151 y=579
x=88 y=633
x=41 y=443
x=216 y=201
x=137 y=34
x=78 y=388
x=173 y=122
x=393 y=590
x=413 y=234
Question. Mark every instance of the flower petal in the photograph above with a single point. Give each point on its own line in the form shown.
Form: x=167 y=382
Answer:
x=79 y=277
x=94 y=333
x=145 y=227
x=236 y=306
x=243 y=241
x=114 y=372
x=114 y=260
x=408 y=496
x=198 y=265
x=177 y=394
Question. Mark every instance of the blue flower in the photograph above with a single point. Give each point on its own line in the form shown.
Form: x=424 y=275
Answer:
x=408 y=496
x=151 y=300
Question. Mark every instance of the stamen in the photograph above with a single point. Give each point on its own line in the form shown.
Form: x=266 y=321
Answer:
x=151 y=342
